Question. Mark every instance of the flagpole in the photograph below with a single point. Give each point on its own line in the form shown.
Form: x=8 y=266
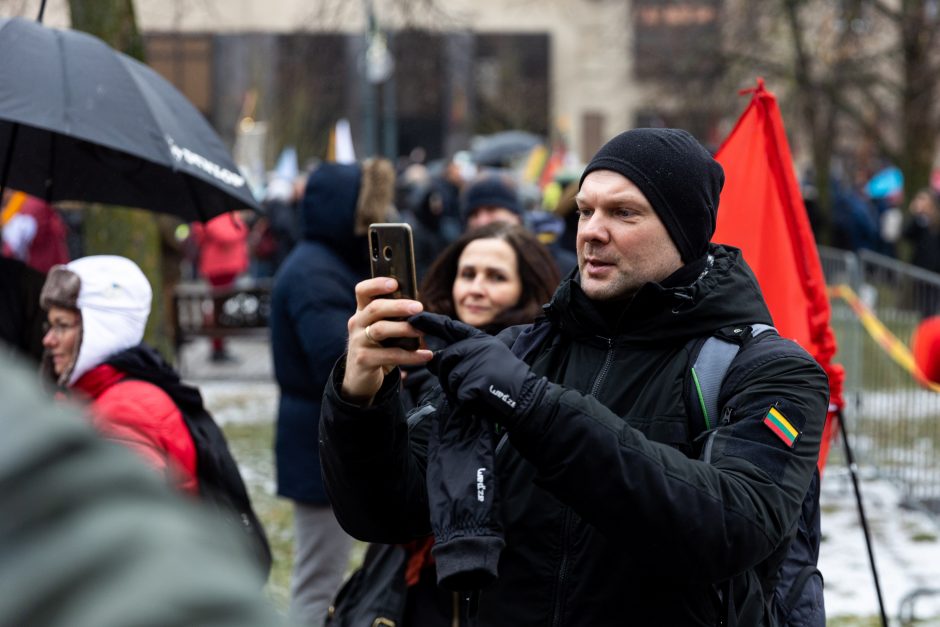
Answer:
x=853 y=473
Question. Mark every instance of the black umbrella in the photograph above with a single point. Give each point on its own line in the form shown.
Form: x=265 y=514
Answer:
x=499 y=149
x=81 y=121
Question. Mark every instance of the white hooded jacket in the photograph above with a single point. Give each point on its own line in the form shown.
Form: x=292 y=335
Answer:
x=114 y=299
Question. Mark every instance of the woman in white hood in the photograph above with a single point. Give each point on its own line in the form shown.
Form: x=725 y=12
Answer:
x=97 y=308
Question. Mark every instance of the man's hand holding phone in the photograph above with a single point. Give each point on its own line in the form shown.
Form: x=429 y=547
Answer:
x=367 y=361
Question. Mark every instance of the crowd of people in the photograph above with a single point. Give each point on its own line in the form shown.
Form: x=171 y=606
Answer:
x=882 y=221
x=534 y=462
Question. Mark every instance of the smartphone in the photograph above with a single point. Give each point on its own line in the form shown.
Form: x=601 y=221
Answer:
x=392 y=254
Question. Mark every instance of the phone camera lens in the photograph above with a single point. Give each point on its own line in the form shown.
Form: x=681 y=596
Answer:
x=375 y=246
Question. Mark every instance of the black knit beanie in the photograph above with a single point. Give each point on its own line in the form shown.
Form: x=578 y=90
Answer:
x=678 y=177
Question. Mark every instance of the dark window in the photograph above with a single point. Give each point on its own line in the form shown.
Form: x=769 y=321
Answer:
x=511 y=78
x=675 y=38
x=184 y=59
x=420 y=90
x=310 y=91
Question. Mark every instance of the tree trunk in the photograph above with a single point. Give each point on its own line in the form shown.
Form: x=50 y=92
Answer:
x=818 y=118
x=918 y=126
x=131 y=233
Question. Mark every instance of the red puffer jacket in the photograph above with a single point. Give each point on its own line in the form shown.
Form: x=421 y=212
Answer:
x=223 y=246
x=142 y=417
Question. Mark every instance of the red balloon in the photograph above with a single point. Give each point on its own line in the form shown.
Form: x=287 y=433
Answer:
x=926 y=345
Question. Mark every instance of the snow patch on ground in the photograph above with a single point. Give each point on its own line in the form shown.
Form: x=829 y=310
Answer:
x=240 y=401
x=906 y=547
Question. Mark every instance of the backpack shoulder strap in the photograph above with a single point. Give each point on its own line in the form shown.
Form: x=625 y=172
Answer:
x=711 y=358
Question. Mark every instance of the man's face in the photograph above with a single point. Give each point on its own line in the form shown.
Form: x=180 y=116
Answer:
x=622 y=244
x=482 y=216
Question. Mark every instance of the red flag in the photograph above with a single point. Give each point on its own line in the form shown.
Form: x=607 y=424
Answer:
x=762 y=213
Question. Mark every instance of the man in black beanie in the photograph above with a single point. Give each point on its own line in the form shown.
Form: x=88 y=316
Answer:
x=641 y=482
x=666 y=187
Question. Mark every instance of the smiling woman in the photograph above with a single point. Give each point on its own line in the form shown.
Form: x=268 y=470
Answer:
x=487 y=281
x=491 y=278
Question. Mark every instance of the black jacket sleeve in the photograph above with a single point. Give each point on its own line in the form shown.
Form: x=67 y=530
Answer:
x=373 y=469
x=712 y=517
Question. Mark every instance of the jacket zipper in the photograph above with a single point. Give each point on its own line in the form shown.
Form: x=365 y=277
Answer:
x=562 y=570
x=563 y=567
x=725 y=420
x=603 y=373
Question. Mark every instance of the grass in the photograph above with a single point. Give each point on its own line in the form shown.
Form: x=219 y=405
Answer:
x=251 y=444
x=853 y=621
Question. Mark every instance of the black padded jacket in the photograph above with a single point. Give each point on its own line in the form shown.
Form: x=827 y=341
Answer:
x=614 y=512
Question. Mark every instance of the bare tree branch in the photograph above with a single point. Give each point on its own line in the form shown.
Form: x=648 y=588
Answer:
x=886 y=10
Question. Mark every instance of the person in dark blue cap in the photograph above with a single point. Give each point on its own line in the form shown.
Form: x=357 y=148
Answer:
x=493 y=197
x=618 y=499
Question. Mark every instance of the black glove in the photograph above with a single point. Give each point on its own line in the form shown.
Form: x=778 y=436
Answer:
x=479 y=371
x=463 y=499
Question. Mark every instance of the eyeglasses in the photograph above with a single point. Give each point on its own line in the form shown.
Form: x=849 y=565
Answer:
x=59 y=329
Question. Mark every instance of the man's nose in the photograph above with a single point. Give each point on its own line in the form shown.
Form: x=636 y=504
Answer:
x=594 y=228
x=48 y=340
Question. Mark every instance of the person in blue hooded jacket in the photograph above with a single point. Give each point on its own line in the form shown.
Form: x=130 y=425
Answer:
x=311 y=301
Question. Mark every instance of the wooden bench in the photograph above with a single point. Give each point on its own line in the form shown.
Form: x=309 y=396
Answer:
x=200 y=310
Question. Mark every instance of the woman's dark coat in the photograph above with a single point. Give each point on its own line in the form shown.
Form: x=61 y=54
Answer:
x=312 y=300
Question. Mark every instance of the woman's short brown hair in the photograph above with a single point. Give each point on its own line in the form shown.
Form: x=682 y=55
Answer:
x=538 y=275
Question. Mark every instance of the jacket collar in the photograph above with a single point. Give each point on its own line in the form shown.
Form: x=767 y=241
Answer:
x=94 y=382
x=724 y=292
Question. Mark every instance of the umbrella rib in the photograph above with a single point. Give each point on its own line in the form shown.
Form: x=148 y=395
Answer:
x=60 y=45
x=8 y=160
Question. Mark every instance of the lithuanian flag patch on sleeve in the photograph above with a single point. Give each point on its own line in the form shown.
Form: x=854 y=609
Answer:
x=782 y=427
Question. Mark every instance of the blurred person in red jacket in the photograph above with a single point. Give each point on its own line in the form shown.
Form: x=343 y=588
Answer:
x=34 y=233
x=223 y=255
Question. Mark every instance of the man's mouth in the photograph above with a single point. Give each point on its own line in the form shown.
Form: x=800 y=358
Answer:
x=594 y=262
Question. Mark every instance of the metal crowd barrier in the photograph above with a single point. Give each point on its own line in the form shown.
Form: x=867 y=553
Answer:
x=894 y=420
